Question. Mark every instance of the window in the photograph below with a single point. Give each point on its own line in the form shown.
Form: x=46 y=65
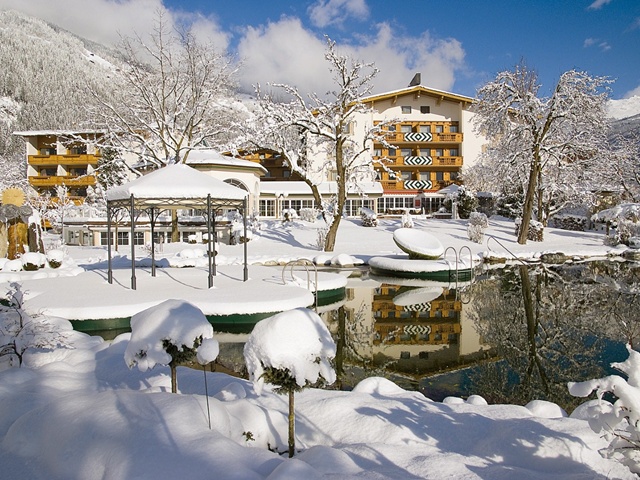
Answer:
x=267 y=208
x=406 y=175
x=425 y=128
x=440 y=176
x=138 y=238
x=425 y=109
x=405 y=109
x=377 y=152
x=79 y=150
x=405 y=128
x=406 y=152
x=103 y=238
x=392 y=152
x=391 y=128
x=123 y=238
x=439 y=128
x=453 y=152
x=439 y=152
x=453 y=128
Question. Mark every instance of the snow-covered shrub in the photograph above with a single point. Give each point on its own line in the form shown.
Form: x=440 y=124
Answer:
x=55 y=258
x=21 y=332
x=308 y=214
x=321 y=237
x=369 y=217
x=289 y=214
x=623 y=233
x=576 y=223
x=619 y=423
x=12 y=266
x=238 y=235
x=478 y=223
x=509 y=205
x=291 y=350
x=407 y=220
x=466 y=202
x=192 y=238
x=170 y=333
x=32 y=261
x=536 y=230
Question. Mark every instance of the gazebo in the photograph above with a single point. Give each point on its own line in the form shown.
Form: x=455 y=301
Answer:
x=174 y=187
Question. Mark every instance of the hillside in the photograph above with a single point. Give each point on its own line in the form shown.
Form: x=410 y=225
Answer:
x=45 y=77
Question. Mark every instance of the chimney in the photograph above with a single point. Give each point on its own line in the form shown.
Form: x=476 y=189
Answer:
x=415 y=80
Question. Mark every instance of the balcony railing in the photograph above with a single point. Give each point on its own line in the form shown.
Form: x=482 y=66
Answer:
x=421 y=160
x=423 y=137
x=71 y=180
x=84 y=159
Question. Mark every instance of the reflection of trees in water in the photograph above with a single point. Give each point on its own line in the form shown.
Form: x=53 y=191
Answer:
x=548 y=326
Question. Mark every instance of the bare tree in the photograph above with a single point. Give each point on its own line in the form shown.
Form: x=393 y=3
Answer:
x=549 y=141
x=174 y=97
x=304 y=128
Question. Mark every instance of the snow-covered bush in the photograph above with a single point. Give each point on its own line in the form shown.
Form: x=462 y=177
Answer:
x=369 y=217
x=407 y=220
x=21 y=332
x=321 y=237
x=32 y=261
x=192 y=238
x=478 y=223
x=536 y=230
x=169 y=333
x=509 y=205
x=576 y=223
x=291 y=350
x=308 y=214
x=12 y=266
x=55 y=258
x=619 y=423
x=238 y=235
x=466 y=202
x=289 y=214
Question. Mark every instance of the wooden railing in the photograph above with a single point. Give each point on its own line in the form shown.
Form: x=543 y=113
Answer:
x=84 y=159
x=71 y=180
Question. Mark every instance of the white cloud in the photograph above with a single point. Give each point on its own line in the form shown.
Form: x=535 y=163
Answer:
x=284 y=52
x=633 y=93
x=105 y=21
x=589 y=42
x=335 y=12
x=601 y=44
x=598 y=4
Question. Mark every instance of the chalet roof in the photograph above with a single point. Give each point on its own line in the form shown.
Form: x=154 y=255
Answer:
x=213 y=158
x=418 y=89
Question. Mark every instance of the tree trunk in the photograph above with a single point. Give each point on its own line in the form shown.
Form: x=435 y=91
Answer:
x=174 y=377
x=175 y=234
x=332 y=233
x=292 y=425
x=527 y=208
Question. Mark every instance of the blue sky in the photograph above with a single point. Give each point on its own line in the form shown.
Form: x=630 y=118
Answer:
x=457 y=46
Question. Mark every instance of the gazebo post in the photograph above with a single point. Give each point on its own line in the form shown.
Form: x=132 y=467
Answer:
x=209 y=240
x=244 y=218
x=133 y=247
x=109 y=270
x=153 y=247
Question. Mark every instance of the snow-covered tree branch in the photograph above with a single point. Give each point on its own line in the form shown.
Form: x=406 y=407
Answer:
x=552 y=142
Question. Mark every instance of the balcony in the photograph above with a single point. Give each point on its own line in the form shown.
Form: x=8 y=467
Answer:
x=421 y=161
x=423 y=137
x=84 y=159
x=70 y=180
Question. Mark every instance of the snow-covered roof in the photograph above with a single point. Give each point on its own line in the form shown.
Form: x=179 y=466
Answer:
x=58 y=133
x=215 y=158
x=326 y=188
x=421 y=88
x=176 y=181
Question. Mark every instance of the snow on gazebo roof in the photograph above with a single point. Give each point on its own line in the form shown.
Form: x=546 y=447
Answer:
x=177 y=182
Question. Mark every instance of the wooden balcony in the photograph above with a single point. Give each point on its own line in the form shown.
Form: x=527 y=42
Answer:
x=420 y=161
x=84 y=159
x=423 y=137
x=70 y=180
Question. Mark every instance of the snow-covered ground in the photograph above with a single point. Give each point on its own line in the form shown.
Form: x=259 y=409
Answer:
x=81 y=413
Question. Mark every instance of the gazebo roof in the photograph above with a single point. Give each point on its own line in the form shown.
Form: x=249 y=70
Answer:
x=176 y=186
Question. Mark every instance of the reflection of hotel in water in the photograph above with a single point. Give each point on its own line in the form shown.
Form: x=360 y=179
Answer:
x=423 y=329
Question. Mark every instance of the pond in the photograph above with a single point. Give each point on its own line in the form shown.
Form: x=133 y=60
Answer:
x=512 y=335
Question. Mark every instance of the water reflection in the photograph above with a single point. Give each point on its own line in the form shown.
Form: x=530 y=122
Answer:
x=515 y=334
